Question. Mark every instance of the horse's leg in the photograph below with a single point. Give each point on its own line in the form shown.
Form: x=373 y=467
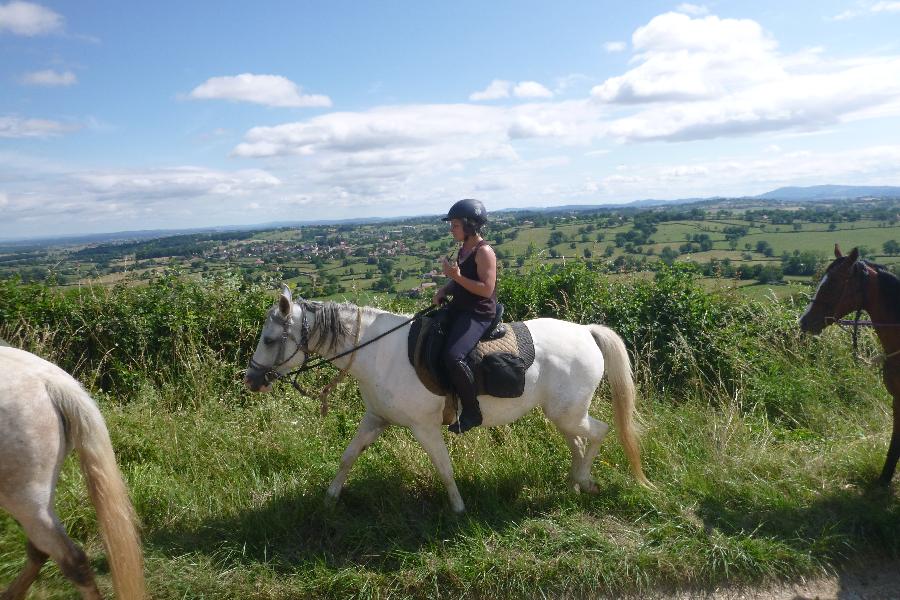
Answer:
x=47 y=535
x=431 y=439
x=890 y=463
x=17 y=589
x=370 y=427
x=583 y=457
x=577 y=449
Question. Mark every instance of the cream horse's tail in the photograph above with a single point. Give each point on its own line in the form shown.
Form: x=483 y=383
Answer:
x=87 y=432
x=618 y=371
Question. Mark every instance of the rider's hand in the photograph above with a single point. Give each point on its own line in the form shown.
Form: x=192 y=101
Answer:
x=450 y=270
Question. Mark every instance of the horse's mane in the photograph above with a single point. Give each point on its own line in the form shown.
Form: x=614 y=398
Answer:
x=889 y=285
x=328 y=326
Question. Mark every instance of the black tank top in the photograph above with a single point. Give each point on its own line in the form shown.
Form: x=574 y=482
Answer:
x=464 y=300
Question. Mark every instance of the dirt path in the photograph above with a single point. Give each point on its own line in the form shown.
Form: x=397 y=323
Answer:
x=862 y=582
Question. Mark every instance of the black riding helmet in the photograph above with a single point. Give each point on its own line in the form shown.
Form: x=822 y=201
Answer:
x=468 y=209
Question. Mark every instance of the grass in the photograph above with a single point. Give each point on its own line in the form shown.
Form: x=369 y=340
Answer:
x=765 y=478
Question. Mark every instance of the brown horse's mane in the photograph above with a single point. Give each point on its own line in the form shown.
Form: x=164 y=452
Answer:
x=888 y=286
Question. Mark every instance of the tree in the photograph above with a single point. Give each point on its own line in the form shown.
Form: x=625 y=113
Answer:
x=891 y=247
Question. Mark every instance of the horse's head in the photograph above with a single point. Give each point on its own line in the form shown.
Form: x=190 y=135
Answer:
x=282 y=344
x=840 y=292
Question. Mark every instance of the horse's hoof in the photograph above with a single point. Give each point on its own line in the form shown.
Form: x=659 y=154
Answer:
x=585 y=487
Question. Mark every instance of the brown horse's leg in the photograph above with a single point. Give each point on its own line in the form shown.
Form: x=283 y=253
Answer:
x=17 y=589
x=893 y=454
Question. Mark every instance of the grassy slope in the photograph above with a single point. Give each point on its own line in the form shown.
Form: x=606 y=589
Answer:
x=769 y=482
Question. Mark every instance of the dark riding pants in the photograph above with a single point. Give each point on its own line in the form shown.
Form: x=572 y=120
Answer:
x=466 y=330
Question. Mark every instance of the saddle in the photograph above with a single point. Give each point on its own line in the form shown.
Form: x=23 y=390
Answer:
x=498 y=361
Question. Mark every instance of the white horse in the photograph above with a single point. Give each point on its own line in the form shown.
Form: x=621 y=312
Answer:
x=44 y=413
x=568 y=366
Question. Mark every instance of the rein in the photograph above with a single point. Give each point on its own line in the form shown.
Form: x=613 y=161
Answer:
x=856 y=323
x=272 y=375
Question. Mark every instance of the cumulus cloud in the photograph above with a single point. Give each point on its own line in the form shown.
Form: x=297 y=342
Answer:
x=29 y=19
x=495 y=90
x=50 y=78
x=269 y=90
x=17 y=127
x=531 y=89
x=710 y=77
x=614 y=46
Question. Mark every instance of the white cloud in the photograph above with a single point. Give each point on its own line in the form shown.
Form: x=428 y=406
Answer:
x=748 y=175
x=866 y=8
x=270 y=90
x=48 y=199
x=712 y=77
x=614 y=46
x=17 y=127
x=142 y=185
x=531 y=89
x=29 y=19
x=692 y=9
x=683 y=58
x=50 y=78
x=497 y=89
x=886 y=7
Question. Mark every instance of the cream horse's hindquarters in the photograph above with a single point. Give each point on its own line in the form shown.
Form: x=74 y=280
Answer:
x=44 y=412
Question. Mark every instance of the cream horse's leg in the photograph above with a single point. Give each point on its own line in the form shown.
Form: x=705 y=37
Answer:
x=595 y=431
x=583 y=455
x=17 y=589
x=370 y=427
x=46 y=534
x=431 y=439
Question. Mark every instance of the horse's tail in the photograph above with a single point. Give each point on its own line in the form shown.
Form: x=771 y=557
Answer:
x=618 y=371
x=87 y=432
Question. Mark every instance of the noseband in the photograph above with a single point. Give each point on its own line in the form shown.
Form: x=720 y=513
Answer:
x=270 y=373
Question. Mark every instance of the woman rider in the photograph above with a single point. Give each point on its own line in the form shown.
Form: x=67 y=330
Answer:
x=474 y=304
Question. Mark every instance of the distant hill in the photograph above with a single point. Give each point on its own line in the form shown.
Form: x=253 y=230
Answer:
x=831 y=192
x=792 y=194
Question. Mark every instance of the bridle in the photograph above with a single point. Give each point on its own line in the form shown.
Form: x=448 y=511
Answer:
x=270 y=373
x=862 y=272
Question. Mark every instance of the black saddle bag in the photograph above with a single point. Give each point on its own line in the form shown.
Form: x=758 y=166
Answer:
x=502 y=374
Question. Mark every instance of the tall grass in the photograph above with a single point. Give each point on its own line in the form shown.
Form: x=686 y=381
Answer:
x=762 y=444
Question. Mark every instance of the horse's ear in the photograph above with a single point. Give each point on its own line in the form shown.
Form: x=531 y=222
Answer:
x=837 y=251
x=284 y=302
x=854 y=255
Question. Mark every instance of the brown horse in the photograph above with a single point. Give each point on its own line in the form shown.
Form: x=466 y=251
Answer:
x=849 y=285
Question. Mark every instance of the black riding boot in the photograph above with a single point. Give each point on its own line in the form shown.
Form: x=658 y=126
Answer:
x=464 y=384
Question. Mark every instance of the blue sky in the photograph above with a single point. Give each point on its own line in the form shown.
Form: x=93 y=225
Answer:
x=118 y=116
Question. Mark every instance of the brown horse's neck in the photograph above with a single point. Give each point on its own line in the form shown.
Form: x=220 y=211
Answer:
x=884 y=316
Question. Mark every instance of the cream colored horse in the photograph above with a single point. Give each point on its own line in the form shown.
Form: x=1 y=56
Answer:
x=568 y=366
x=44 y=413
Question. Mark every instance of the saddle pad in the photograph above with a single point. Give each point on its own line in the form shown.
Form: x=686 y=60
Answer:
x=424 y=356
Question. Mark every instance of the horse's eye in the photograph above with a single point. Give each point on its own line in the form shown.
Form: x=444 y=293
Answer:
x=269 y=341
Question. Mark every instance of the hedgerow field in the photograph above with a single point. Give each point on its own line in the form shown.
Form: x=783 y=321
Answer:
x=762 y=444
